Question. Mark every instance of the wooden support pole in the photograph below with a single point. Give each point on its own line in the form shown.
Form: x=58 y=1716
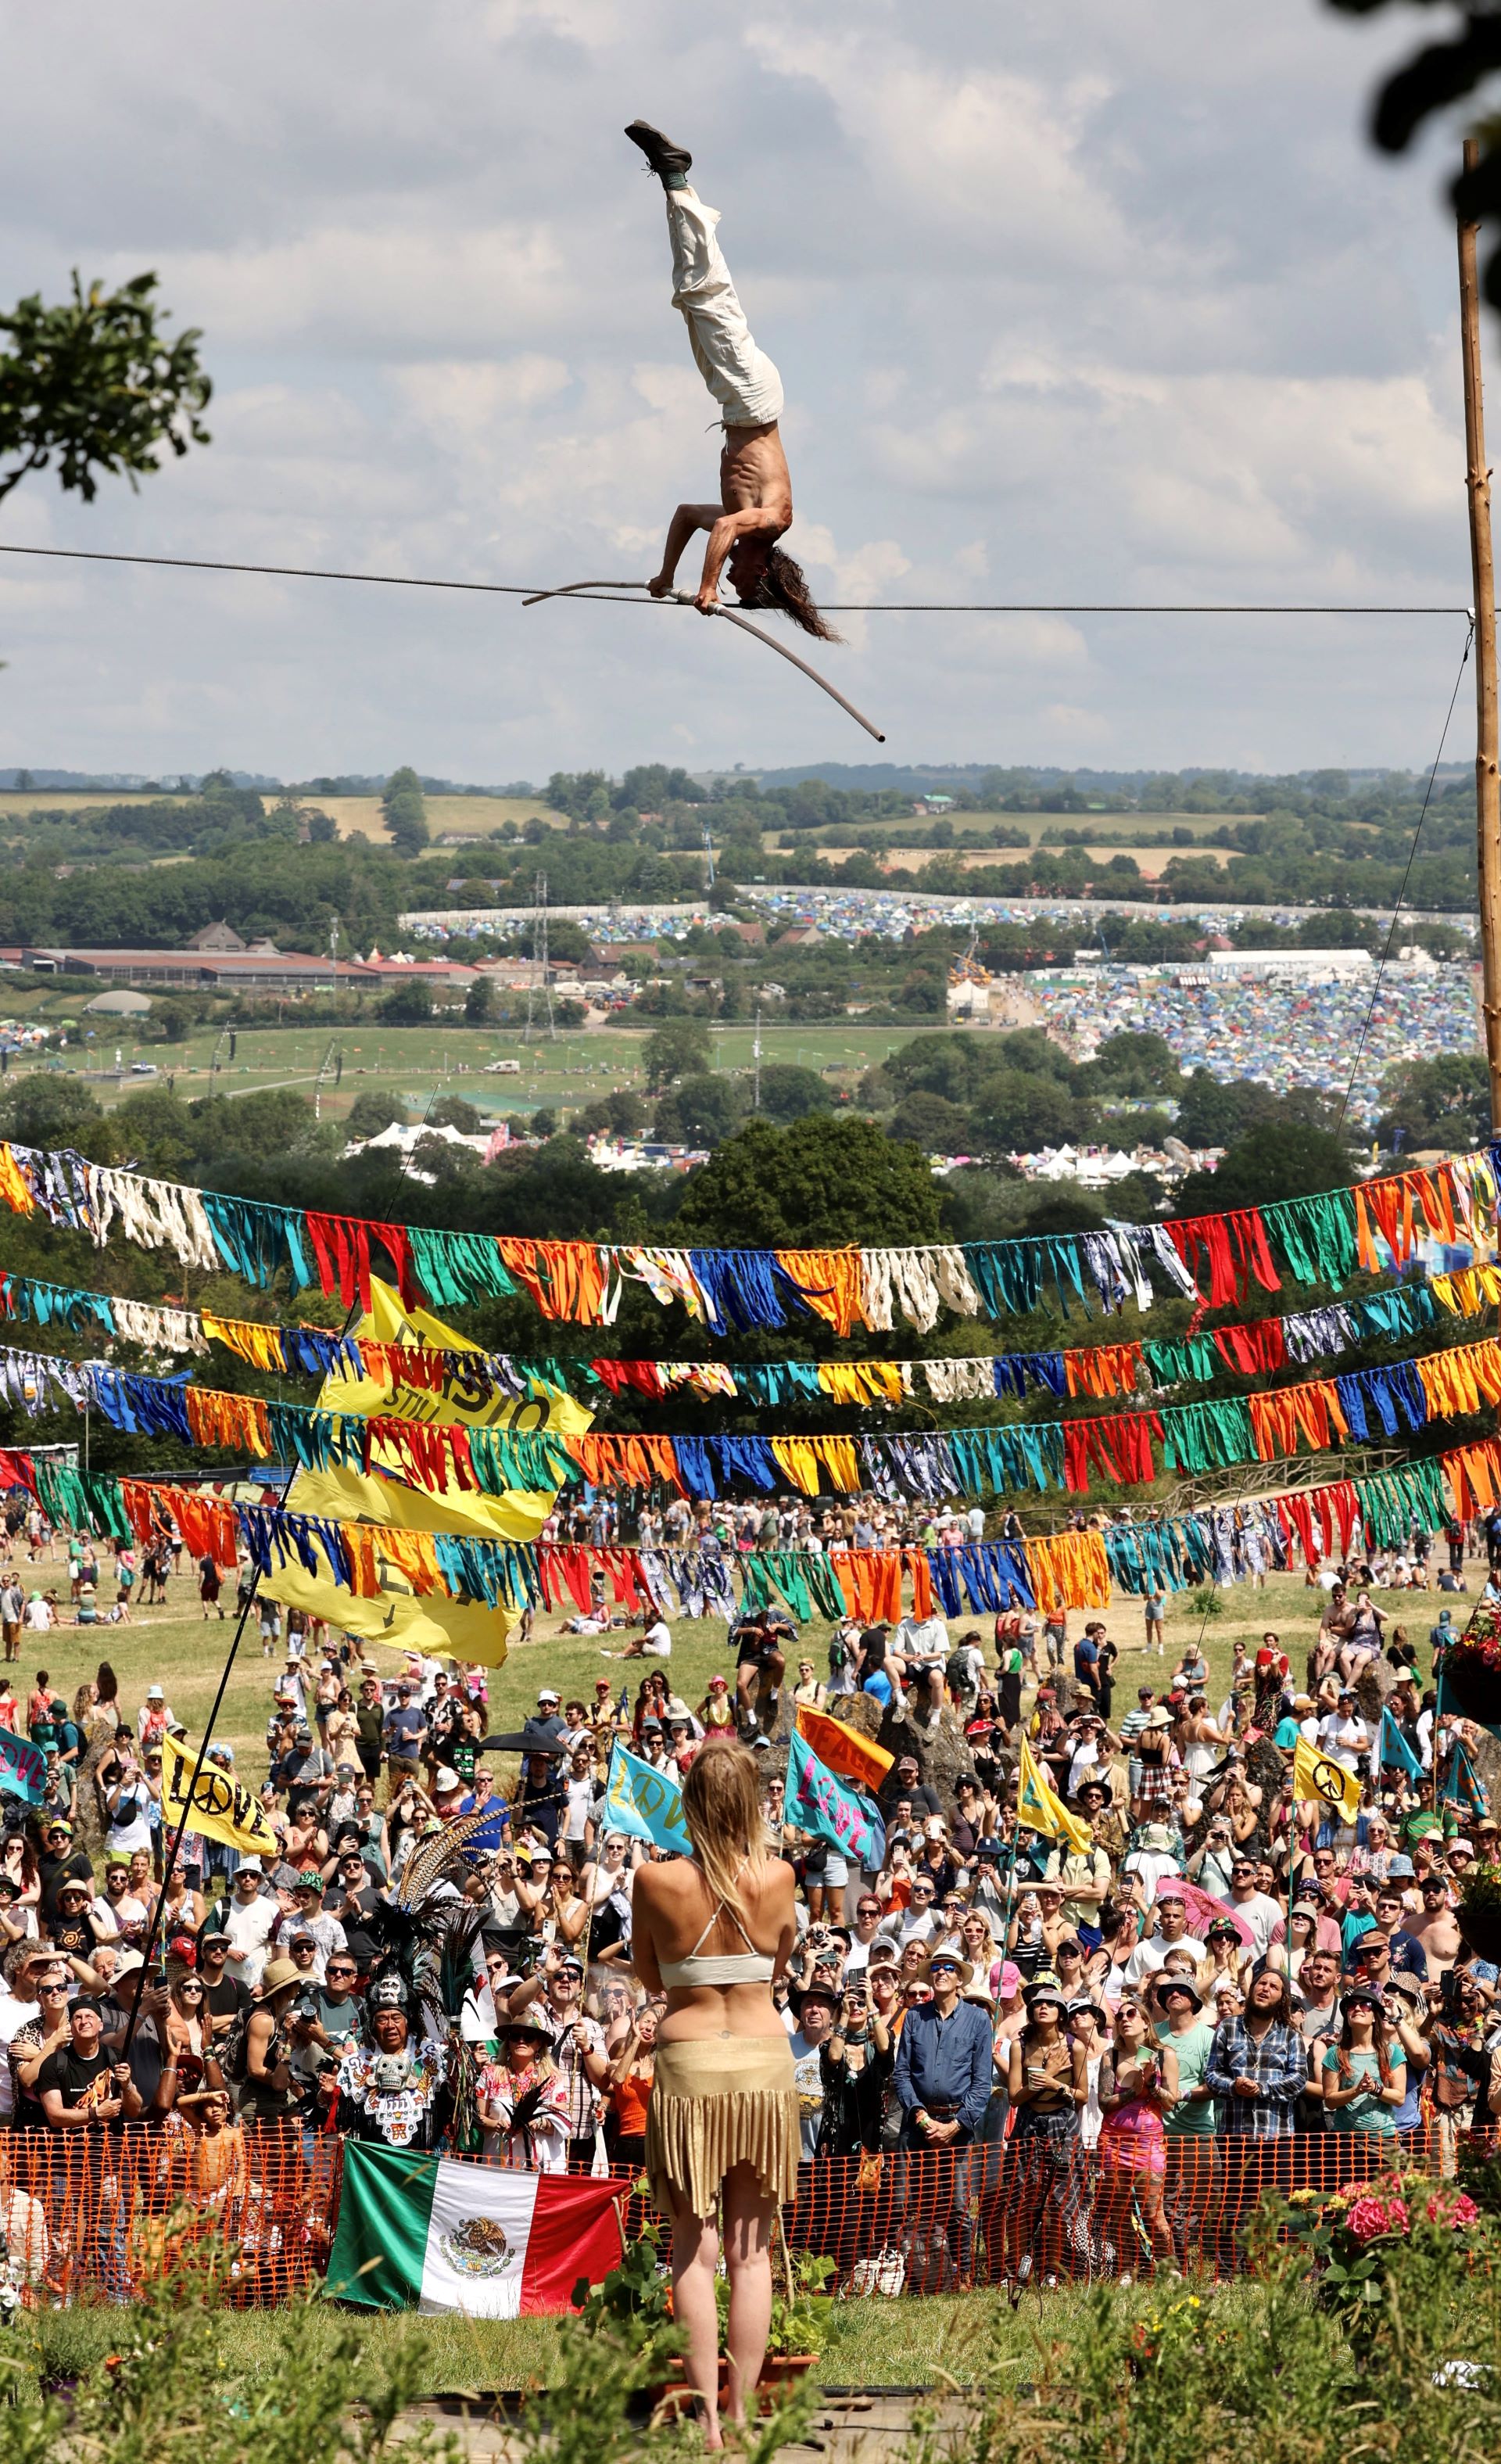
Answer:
x=1487 y=753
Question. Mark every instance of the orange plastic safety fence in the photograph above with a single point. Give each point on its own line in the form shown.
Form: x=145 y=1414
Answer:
x=94 y=2217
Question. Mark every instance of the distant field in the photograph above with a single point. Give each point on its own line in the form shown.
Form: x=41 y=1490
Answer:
x=1150 y=859
x=415 y=1063
x=474 y=817
x=357 y=816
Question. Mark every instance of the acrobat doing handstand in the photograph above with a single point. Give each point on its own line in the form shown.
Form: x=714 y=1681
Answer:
x=755 y=493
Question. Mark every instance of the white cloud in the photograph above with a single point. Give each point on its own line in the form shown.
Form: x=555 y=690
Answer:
x=1108 y=302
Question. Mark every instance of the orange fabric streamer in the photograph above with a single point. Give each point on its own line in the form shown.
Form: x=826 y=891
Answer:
x=237 y=1422
x=12 y=1185
x=1103 y=1368
x=878 y=1584
x=1460 y=1381
x=1389 y=1203
x=1071 y=1569
x=565 y=1278
x=915 y=1560
x=831 y=1282
x=634 y=1462
x=413 y=1554
x=1294 y=1414
x=360 y=1539
x=1474 y=1475
x=1437 y=1192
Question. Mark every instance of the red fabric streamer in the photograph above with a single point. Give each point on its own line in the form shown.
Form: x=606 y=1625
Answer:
x=341 y=1247
x=1119 y=1449
x=1233 y=1247
x=1254 y=1349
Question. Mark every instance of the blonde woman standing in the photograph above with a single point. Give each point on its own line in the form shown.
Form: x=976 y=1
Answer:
x=711 y=1932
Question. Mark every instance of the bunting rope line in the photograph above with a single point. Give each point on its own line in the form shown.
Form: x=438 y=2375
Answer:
x=528 y=591
x=932 y=1465
x=1256 y=1347
x=1375 y=1227
x=1073 y=1568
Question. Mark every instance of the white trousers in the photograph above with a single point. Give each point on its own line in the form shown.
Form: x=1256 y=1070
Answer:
x=742 y=379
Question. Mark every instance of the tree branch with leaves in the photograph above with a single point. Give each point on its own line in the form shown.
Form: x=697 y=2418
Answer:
x=93 y=385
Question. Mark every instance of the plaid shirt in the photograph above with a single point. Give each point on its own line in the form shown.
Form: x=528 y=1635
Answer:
x=1279 y=2066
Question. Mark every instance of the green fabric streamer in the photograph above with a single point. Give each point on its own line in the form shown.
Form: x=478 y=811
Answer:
x=1392 y=1501
x=1208 y=1437
x=517 y=1459
x=1316 y=1236
x=1188 y=1363
x=453 y=1267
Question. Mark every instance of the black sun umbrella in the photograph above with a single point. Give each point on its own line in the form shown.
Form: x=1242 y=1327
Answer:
x=523 y=1741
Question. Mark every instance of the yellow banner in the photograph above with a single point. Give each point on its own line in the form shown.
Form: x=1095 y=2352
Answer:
x=369 y=1497
x=478 y=1403
x=374 y=1497
x=1039 y=1808
x=426 y=1621
x=1318 y=1780
x=220 y=1808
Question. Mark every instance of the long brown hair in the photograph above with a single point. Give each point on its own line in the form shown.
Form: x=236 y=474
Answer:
x=783 y=585
x=722 y=1810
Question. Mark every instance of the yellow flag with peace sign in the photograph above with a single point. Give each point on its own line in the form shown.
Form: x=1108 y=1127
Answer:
x=1318 y=1780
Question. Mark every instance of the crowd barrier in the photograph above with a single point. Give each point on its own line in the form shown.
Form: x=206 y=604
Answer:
x=90 y=2217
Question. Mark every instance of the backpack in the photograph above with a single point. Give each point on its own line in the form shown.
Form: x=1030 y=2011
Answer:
x=233 y=2048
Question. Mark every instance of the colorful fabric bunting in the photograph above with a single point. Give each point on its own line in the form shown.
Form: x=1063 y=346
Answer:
x=1380 y=1226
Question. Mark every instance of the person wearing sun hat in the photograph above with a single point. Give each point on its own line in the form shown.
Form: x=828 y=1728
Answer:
x=1049 y=2086
x=1364 y=2077
x=944 y=2067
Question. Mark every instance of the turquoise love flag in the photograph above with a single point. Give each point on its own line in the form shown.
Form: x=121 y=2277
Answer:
x=644 y=1803
x=23 y=1768
x=819 y=1802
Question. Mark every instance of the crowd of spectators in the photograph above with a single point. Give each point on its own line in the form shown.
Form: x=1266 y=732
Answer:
x=1103 y=2043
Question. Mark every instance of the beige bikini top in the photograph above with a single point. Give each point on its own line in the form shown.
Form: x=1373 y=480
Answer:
x=748 y=1967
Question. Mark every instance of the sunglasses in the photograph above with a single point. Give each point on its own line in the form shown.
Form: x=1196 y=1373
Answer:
x=337 y=1975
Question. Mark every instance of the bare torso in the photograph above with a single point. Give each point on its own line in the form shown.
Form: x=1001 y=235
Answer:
x=753 y=472
x=670 y=1905
x=755 y=507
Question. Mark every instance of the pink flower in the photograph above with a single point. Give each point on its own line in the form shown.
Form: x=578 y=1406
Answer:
x=1368 y=2218
x=1451 y=2208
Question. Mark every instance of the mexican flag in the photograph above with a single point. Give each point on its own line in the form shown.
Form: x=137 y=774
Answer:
x=429 y=2233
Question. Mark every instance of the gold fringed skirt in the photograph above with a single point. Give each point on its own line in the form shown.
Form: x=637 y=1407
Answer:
x=715 y=2103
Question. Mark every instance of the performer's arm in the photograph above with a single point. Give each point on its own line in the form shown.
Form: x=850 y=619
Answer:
x=726 y=531
x=687 y=520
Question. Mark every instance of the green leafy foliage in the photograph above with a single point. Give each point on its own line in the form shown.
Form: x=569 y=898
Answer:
x=408 y=1005
x=1276 y=1159
x=790 y=1093
x=163 y=2395
x=405 y=811
x=815 y=1183
x=702 y=1109
x=1444 y=1102
x=373 y=1111
x=92 y=385
x=678 y=1048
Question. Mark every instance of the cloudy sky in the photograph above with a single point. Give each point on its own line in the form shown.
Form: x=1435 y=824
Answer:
x=1073 y=299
